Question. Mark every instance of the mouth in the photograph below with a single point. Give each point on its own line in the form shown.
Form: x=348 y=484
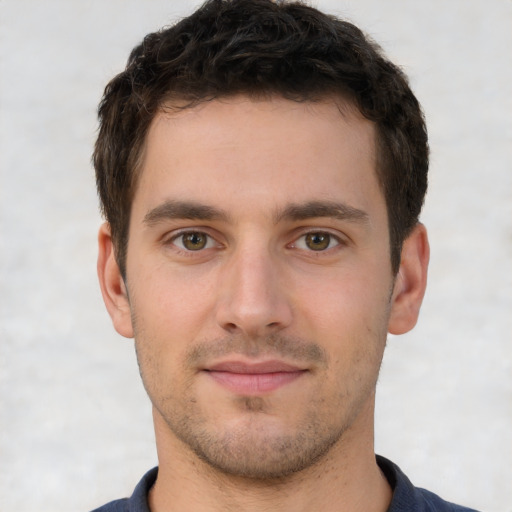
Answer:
x=250 y=379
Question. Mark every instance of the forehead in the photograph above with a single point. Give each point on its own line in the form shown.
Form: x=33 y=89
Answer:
x=274 y=149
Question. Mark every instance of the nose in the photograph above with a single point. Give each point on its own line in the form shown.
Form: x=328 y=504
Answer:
x=253 y=298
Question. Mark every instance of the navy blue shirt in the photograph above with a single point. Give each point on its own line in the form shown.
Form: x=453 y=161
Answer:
x=406 y=497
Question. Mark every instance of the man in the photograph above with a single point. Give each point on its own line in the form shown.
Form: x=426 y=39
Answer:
x=262 y=168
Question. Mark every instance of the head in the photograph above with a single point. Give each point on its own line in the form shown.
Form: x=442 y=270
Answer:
x=259 y=48
x=261 y=167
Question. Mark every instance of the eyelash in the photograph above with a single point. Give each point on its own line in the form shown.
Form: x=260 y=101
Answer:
x=300 y=240
x=210 y=241
x=331 y=238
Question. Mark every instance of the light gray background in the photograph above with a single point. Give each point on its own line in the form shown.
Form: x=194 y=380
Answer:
x=75 y=424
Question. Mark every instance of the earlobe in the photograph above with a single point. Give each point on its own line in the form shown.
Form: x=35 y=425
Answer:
x=410 y=282
x=112 y=285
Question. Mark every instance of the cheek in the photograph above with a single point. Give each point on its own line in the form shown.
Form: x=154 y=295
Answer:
x=348 y=316
x=171 y=311
x=351 y=297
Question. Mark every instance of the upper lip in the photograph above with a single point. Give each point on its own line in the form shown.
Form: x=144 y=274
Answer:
x=273 y=366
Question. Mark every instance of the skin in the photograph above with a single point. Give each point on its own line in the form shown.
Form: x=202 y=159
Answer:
x=259 y=239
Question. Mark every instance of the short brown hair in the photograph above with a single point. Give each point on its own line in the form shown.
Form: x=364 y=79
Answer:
x=258 y=47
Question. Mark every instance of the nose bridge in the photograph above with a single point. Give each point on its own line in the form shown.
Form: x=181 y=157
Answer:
x=252 y=299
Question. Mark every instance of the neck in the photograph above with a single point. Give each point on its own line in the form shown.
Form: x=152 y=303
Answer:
x=346 y=479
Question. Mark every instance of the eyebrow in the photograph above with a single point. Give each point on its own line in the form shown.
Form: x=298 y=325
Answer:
x=314 y=209
x=172 y=209
x=182 y=210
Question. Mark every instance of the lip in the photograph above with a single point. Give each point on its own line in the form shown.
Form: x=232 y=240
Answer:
x=256 y=378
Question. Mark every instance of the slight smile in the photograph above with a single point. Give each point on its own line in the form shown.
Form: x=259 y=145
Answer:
x=254 y=378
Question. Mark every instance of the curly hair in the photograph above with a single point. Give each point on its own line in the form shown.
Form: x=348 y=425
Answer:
x=258 y=48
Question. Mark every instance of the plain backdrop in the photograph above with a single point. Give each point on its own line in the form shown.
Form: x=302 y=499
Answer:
x=75 y=424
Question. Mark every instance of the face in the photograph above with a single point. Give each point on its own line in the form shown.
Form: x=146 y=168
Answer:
x=259 y=284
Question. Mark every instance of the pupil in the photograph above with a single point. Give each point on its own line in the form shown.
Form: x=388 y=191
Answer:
x=194 y=241
x=318 y=241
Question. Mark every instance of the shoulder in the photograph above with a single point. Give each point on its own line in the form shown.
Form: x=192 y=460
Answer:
x=114 y=506
x=138 y=502
x=408 y=498
x=434 y=503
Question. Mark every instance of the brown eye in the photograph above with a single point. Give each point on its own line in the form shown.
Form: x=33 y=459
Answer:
x=317 y=241
x=193 y=241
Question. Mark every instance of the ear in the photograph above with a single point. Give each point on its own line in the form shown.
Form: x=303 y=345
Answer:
x=411 y=281
x=112 y=284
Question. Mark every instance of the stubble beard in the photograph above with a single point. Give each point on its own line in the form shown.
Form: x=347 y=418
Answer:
x=250 y=450
x=253 y=448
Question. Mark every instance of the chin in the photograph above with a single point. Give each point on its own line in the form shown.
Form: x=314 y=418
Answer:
x=258 y=448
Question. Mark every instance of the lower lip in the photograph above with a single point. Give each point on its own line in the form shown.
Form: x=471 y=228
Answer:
x=254 y=383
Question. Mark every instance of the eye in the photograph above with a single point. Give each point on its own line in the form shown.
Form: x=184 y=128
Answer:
x=193 y=241
x=316 y=241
